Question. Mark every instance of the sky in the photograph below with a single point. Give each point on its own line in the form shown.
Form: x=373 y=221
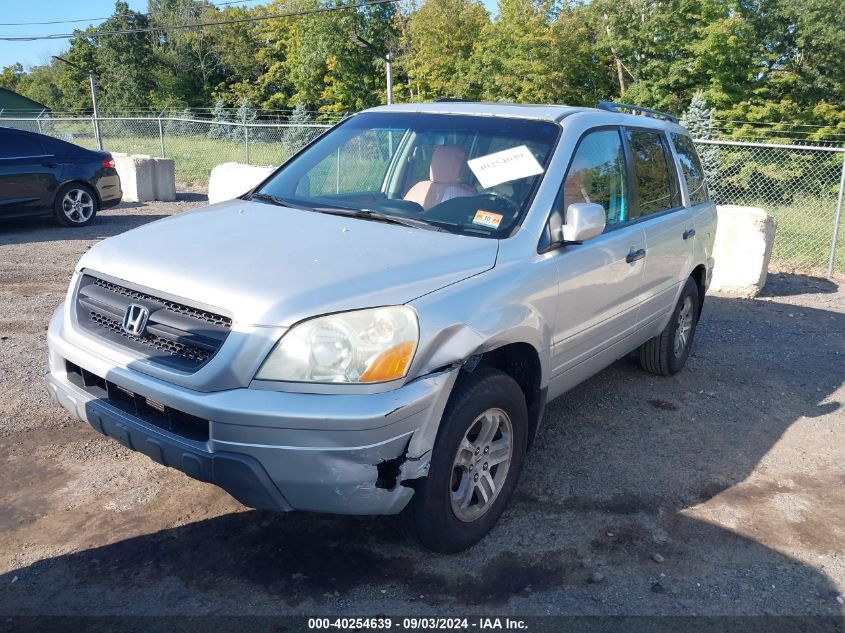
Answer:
x=39 y=51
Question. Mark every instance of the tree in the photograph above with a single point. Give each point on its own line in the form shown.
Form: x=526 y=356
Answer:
x=295 y=133
x=186 y=69
x=440 y=39
x=512 y=60
x=125 y=62
x=245 y=115
x=699 y=120
x=219 y=117
x=182 y=127
x=10 y=76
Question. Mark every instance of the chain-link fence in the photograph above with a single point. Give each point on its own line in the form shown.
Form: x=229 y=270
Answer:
x=195 y=145
x=800 y=185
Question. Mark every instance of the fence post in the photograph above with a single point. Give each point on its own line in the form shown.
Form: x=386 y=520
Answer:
x=95 y=121
x=246 y=142
x=38 y=121
x=161 y=133
x=836 y=220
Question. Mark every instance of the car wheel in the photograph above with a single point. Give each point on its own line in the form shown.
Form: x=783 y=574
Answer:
x=475 y=463
x=667 y=353
x=75 y=205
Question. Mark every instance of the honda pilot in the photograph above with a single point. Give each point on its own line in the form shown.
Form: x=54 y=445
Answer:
x=377 y=327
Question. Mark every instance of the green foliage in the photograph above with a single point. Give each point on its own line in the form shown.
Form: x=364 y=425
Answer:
x=10 y=76
x=439 y=38
x=183 y=127
x=751 y=60
x=698 y=119
x=220 y=114
x=245 y=114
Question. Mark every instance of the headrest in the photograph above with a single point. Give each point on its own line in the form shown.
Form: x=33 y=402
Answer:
x=446 y=163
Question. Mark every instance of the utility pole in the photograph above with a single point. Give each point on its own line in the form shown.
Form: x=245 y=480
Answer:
x=387 y=61
x=362 y=43
x=92 y=80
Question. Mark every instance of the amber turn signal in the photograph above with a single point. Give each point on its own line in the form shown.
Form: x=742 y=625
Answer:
x=390 y=364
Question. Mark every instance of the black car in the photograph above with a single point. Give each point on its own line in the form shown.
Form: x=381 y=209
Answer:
x=41 y=175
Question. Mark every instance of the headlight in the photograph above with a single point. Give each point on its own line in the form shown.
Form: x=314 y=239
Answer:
x=374 y=345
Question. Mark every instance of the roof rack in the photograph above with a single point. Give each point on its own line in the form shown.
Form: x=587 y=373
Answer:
x=611 y=106
x=454 y=100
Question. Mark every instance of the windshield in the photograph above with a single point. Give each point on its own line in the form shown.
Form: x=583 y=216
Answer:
x=464 y=174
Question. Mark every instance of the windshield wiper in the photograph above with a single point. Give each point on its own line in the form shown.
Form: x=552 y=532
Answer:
x=266 y=197
x=378 y=216
x=364 y=214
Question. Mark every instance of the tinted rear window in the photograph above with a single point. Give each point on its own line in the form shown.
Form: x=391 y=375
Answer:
x=691 y=167
x=654 y=184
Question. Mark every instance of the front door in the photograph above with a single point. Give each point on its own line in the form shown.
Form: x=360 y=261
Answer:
x=600 y=281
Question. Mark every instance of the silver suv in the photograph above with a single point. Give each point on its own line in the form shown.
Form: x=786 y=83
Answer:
x=377 y=327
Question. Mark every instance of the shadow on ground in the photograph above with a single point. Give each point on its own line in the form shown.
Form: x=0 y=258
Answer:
x=618 y=465
x=109 y=222
x=787 y=284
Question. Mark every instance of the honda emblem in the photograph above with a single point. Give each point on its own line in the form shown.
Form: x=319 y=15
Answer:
x=135 y=319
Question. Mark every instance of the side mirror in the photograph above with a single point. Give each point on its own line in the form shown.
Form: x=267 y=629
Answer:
x=584 y=220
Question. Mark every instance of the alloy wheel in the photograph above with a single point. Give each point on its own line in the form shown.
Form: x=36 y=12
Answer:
x=481 y=465
x=683 y=331
x=78 y=206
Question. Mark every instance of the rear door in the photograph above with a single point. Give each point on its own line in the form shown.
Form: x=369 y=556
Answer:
x=28 y=174
x=600 y=281
x=667 y=225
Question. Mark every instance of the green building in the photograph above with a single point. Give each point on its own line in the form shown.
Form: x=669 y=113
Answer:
x=14 y=105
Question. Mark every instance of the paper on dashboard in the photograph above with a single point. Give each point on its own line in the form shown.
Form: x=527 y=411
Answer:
x=510 y=164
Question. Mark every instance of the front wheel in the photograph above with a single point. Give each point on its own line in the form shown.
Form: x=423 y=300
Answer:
x=475 y=464
x=667 y=353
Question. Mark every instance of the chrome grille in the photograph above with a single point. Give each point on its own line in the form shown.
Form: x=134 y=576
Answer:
x=171 y=305
x=176 y=335
x=158 y=343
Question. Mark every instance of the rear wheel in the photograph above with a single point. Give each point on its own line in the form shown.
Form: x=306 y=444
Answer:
x=75 y=205
x=475 y=464
x=667 y=353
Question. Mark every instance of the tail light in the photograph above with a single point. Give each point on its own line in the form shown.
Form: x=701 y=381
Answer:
x=108 y=163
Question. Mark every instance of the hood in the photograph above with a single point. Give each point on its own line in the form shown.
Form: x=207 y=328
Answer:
x=271 y=265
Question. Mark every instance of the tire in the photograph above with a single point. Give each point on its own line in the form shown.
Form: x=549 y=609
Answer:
x=75 y=205
x=477 y=401
x=667 y=353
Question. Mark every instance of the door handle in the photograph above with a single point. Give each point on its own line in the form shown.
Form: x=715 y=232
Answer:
x=635 y=256
x=689 y=233
x=51 y=165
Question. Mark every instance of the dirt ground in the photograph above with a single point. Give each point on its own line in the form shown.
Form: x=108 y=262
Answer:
x=719 y=491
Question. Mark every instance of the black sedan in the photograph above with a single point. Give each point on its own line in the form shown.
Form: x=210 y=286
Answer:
x=41 y=175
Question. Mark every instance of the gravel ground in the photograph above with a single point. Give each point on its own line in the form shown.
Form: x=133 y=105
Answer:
x=719 y=491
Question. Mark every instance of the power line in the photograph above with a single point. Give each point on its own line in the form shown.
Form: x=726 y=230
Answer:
x=213 y=4
x=175 y=27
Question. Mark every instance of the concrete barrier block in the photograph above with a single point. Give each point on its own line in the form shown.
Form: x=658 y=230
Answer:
x=742 y=249
x=164 y=179
x=229 y=180
x=136 y=176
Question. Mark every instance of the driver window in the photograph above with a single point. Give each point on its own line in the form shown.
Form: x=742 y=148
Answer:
x=357 y=166
x=597 y=174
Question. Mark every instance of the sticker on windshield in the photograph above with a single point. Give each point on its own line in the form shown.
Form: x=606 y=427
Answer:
x=504 y=166
x=488 y=218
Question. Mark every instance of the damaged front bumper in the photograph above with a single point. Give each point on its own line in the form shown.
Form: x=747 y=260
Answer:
x=337 y=453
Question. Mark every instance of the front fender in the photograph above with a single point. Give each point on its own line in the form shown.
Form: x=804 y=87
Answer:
x=505 y=305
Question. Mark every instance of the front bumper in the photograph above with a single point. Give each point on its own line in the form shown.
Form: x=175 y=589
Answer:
x=268 y=449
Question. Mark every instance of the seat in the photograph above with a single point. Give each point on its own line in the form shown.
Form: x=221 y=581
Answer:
x=444 y=178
